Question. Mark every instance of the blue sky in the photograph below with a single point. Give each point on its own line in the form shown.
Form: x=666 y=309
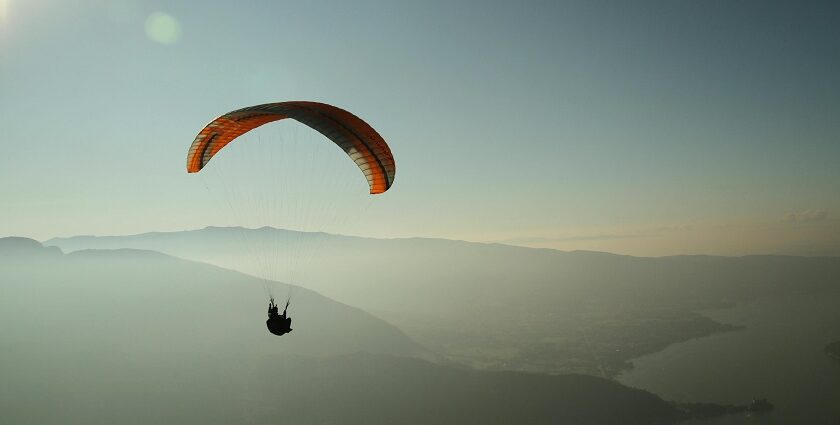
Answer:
x=647 y=128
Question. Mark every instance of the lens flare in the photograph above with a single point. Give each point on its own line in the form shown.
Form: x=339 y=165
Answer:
x=162 y=28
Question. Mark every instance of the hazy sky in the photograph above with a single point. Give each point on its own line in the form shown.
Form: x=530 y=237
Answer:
x=642 y=127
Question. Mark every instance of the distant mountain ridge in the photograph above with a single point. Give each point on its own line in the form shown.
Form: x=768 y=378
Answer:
x=135 y=336
x=15 y=245
x=390 y=267
x=500 y=306
x=215 y=300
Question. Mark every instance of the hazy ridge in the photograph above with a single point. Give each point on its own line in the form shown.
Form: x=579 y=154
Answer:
x=133 y=336
x=505 y=307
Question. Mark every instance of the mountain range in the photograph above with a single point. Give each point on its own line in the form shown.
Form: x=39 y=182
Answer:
x=504 y=307
x=133 y=336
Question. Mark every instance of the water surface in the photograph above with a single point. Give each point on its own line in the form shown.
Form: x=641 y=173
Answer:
x=778 y=355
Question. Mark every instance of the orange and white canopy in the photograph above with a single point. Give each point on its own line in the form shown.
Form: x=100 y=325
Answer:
x=358 y=139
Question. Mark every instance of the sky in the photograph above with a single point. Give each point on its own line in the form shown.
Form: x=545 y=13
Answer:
x=643 y=128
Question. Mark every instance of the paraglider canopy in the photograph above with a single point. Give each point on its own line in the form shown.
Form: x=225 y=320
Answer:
x=358 y=139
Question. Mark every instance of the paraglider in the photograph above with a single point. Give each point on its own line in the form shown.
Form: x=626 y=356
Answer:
x=278 y=324
x=354 y=136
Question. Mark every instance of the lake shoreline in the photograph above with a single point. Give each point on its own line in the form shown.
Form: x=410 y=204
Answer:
x=774 y=329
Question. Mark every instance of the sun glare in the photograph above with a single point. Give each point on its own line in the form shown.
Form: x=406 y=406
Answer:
x=4 y=8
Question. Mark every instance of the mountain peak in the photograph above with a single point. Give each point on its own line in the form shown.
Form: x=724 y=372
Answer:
x=18 y=244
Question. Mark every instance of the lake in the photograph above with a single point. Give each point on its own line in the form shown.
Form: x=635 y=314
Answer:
x=778 y=355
